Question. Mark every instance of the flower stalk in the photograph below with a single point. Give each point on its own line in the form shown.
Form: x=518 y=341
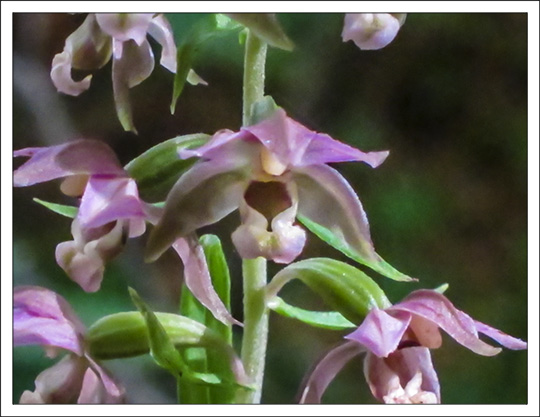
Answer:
x=256 y=313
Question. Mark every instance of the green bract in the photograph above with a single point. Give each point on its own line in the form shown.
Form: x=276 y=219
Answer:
x=157 y=169
x=343 y=287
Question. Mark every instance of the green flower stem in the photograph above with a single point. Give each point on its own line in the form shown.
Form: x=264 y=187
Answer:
x=255 y=336
x=254 y=61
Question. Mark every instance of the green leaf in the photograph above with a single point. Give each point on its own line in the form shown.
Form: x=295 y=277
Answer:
x=380 y=266
x=164 y=352
x=331 y=320
x=343 y=287
x=266 y=27
x=162 y=348
x=68 y=211
x=157 y=169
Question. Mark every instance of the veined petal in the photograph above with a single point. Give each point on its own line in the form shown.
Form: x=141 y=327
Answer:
x=197 y=278
x=41 y=316
x=161 y=31
x=204 y=195
x=380 y=332
x=224 y=144
x=370 y=30
x=107 y=199
x=73 y=158
x=506 y=340
x=59 y=384
x=436 y=308
x=326 y=370
x=133 y=67
x=125 y=26
x=326 y=198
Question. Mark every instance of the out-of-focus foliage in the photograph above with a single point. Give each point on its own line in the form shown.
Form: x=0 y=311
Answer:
x=448 y=98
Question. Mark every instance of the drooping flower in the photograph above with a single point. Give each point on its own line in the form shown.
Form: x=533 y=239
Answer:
x=396 y=343
x=121 y=36
x=372 y=30
x=271 y=171
x=110 y=209
x=42 y=317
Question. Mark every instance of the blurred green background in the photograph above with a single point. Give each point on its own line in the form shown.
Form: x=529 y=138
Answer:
x=448 y=98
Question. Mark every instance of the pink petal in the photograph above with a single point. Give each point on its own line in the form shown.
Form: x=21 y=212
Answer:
x=197 y=278
x=370 y=30
x=83 y=259
x=161 y=31
x=61 y=76
x=59 y=384
x=108 y=199
x=125 y=26
x=204 y=195
x=436 y=308
x=41 y=316
x=98 y=387
x=326 y=370
x=504 y=339
x=381 y=332
x=73 y=158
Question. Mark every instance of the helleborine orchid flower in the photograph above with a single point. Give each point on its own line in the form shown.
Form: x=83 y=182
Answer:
x=396 y=343
x=43 y=317
x=110 y=209
x=121 y=36
x=270 y=171
x=372 y=30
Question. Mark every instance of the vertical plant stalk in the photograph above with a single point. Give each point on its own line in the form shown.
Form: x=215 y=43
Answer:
x=254 y=62
x=255 y=336
x=256 y=313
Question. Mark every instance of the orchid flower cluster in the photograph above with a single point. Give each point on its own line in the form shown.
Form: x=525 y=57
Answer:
x=275 y=171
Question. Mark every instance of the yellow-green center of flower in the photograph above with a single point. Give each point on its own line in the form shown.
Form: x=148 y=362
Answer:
x=271 y=164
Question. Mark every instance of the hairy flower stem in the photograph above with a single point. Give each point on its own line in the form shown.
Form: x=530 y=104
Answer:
x=254 y=60
x=256 y=313
x=255 y=327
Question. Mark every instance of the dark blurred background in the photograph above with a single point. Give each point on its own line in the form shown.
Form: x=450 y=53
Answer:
x=448 y=98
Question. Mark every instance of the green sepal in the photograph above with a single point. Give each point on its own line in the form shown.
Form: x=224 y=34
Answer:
x=157 y=169
x=331 y=320
x=343 y=287
x=184 y=59
x=263 y=109
x=266 y=27
x=380 y=265
x=67 y=211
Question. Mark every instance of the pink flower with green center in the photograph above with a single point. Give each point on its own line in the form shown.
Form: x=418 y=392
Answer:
x=42 y=317
x=271 y=172
x=396 y=343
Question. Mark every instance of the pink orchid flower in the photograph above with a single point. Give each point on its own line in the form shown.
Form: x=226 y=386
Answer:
x=42 y=317
x=396 y=343
x=271 y=172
